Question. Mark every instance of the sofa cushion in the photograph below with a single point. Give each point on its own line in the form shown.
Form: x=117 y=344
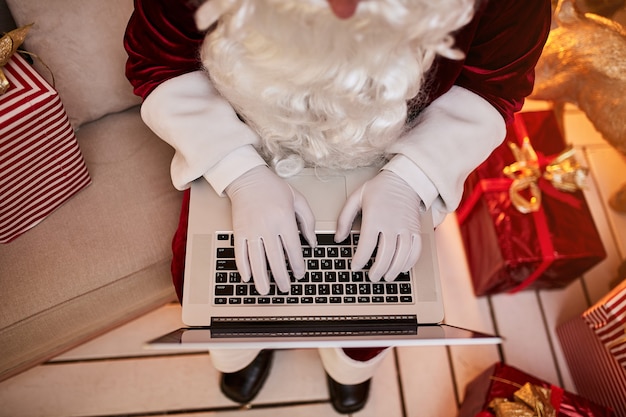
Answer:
x=102 y=258
x=81 y=41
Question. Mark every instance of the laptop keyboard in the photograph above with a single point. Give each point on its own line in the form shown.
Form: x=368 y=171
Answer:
x=328 y=279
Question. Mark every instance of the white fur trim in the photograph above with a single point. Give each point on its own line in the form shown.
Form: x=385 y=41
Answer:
x=232 y=360
x=454 y=135
x=346 y=370
x=189 y=114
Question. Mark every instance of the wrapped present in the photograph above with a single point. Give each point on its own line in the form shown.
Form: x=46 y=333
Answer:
x=607 y=318
x=524 y=221
x=41 y=165
x=593 y=345
x=505 y=391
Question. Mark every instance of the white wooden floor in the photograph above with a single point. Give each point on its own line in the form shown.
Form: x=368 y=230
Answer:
x=113 y=376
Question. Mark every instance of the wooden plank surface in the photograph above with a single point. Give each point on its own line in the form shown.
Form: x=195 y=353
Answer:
x=427 y=381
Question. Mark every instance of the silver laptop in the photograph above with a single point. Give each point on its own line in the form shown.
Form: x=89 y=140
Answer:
x=331 y=306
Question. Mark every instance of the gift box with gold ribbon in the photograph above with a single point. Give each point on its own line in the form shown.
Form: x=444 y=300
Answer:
x=594 y=346
x=505 y=391
x=524 y=220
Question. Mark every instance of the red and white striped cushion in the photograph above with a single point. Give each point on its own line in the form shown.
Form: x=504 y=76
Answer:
x=41 y=165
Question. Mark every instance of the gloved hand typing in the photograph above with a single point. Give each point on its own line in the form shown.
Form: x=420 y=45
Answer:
x=264 y=212
x=390 y=218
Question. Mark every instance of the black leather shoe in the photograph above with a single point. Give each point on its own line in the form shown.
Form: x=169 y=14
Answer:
x=242 y=386
x=348 y=399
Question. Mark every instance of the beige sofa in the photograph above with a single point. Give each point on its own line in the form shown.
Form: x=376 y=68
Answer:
x=103 y=258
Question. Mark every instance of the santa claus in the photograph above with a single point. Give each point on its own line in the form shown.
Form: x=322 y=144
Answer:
x=250 y=91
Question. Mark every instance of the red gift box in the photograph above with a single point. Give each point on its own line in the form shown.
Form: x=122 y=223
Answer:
x=509 y=250
x=502 y=382
x=593 y=345
x=41 y=165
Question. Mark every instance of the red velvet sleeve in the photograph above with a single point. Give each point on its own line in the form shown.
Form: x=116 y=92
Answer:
x=502 y=45
x=162 y=42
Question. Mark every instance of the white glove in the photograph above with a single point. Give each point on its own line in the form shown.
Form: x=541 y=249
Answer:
x=390 y=218
x=264 y=212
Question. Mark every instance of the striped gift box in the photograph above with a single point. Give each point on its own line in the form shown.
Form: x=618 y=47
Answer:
x=607 y=318
x=596 y=371
x=41 y=165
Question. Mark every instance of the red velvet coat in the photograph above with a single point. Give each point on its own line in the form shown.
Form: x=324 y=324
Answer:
x=502 y=45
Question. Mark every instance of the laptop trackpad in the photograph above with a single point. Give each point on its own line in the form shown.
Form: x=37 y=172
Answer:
x=325 y=194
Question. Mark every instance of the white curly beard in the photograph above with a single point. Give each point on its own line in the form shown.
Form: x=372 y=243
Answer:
x=333 y=92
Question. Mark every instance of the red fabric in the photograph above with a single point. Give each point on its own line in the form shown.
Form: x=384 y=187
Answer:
x=362 y=354
x=162 y=42
x=502 y=44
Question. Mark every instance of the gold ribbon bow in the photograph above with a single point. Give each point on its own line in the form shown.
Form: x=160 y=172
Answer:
x=529 y=401
x=8 y=45
x=564 y=172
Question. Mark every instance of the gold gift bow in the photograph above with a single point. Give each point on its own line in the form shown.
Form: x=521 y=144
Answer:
x=564 y=172
x=529 y=401
x=8 y=46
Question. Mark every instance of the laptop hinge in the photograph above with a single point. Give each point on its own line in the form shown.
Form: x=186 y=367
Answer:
x=314 y=326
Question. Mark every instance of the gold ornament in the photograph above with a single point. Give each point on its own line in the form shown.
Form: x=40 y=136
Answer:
x=528 y=401
x=584 y=63
x=9 y=44
x=606 y=8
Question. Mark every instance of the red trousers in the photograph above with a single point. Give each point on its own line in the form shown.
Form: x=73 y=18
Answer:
x=178 y=268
